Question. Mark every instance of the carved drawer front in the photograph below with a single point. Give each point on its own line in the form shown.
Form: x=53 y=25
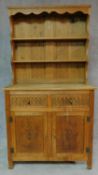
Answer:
x=70 y=99
x=28 y=100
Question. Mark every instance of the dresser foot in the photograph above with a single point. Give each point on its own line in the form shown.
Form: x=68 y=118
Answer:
x=89 y=163
x=10 y=164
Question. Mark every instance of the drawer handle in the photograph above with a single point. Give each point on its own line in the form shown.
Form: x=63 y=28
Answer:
x=29 y=102
x=70 y=100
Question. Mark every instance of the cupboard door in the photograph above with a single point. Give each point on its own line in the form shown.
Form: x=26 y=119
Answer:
x=69 y=136
x=29 y=136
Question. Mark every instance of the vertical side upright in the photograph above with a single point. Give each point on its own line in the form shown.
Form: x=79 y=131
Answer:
x=12 y=48
x=87 y=47
x=9 y=134
x=90 y=131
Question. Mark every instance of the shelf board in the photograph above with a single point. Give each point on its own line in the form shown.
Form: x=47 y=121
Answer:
x=50 y=38
x=47 y=61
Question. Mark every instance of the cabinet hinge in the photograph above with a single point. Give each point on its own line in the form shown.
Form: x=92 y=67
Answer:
x=12 y=150
x=10 y=119
x=88 y=119
x=87 y=150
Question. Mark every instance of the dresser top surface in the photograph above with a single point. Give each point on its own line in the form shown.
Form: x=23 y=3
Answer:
x=55 y=86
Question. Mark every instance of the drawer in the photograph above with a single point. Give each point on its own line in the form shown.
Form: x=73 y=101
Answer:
x=71 y=98
x=49 y=100
x=28 y=100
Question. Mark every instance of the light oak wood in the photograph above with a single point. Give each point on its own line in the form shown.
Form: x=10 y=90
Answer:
x=33 y=129
x=50 y=72
x=50 y=51
x=45 y=86
x=58 y=9
x=68 y=134
x=90 y=128
x=49 y=106
x=50 y=37
x=9 y=132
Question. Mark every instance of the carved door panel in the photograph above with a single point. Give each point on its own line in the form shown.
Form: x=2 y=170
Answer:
x=69 y=136
x=29 y=135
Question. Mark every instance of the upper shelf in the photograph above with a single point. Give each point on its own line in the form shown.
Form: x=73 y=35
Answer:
x=50 y=9
x=50 y=61
x=50 y=38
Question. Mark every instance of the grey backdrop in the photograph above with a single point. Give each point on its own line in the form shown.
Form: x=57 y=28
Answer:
x=5 y=79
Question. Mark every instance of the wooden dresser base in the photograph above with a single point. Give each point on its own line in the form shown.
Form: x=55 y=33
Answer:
x=49 y=125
